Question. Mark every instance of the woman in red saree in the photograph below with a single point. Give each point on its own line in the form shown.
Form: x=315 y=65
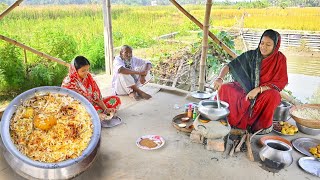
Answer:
x=259 y=76
x=80 y=80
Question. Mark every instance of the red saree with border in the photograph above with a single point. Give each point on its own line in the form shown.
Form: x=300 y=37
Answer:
x=89 y=89
x=272 y=72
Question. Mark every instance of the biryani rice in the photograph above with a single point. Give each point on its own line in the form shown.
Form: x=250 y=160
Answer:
x=65 y=139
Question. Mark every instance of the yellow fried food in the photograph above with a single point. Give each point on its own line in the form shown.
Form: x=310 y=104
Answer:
x=315 y=151
x=287 y=128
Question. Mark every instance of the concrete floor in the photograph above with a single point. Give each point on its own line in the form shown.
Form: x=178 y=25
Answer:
x=120 y=158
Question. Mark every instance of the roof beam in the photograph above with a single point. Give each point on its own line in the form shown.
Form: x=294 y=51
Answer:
x=5 y=12
x=41 y=54
x=214 y=38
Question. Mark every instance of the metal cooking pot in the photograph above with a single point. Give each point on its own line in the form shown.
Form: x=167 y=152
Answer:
x=31 y=169
x=209 y=109
x=282 y=111
x=276 y=154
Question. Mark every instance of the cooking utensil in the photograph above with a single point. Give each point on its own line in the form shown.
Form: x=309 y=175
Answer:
x=112 y=122
x=307 y=130
x=31 y=169
x=282 y=111
x=311 y=123
x=218 y=100
x=201 y=95
x=276 y=154
x=177 y=120
x=303 y=145
x=310 y=165
x=264 y=138
x=210 y=110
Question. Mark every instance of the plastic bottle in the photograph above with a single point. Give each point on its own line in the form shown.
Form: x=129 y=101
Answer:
x=189 y=114
x=195 y=113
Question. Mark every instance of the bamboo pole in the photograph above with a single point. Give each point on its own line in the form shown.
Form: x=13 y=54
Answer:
x=25 y=56
x=41 y=54
x=5 y=12
x=108 y=42
x=204 y=46
x=213 y=37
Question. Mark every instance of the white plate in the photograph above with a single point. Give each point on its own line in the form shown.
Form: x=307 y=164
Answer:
x=304 y=144
x=155 y=138
x=310 y=165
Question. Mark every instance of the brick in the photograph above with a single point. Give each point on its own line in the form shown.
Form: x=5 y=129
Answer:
x=215 y=145
x=196 y=137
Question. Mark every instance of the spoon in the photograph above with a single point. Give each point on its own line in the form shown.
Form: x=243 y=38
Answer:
x=218 y=100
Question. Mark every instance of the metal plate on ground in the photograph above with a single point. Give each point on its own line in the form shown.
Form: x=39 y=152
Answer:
x=185 y=126
x=201 y=95
x=112 y=122
x=304 y=144
x=310 y=165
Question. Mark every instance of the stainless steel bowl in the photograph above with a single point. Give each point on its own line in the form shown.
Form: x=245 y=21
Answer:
x=307 y=130
x=31 y=169
x=209 y=109
x=282 y=111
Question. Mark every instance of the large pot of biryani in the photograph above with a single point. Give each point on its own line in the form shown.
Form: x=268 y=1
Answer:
x=50 y=133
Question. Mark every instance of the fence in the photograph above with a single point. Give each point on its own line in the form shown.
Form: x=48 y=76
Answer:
x=288 y=39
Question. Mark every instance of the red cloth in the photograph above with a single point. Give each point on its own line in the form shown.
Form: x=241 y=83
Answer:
x=273 y=74
x=88 y=88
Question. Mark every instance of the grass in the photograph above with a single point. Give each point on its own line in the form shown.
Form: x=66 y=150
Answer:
x=78 y=29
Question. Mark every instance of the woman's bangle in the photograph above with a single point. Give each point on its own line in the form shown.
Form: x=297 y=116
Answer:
x=260 y=89
x=219 y=78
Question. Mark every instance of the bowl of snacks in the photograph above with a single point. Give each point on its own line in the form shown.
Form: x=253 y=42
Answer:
x=284 y=128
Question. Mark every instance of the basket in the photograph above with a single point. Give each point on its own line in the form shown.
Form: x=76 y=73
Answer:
x=311 y=123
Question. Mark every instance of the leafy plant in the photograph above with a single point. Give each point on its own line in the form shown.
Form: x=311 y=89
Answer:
x=12 y=69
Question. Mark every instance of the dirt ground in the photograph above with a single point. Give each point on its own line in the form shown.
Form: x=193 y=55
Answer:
x=120 y=158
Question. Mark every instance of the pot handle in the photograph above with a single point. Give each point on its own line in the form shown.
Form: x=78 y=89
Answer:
x=200 y=125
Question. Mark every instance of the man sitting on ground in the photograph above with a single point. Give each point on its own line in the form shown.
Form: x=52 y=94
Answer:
x=129 y=74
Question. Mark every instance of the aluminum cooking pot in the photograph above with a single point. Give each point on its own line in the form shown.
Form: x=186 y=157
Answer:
x=209 y=109
x=282 y=111
x=31 y=169
x=276 y=154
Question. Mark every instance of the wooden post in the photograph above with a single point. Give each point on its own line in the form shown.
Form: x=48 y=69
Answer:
x=25 y=56
x=41 y=54
x=108 y=42
x=204 y=46
x=5 y=12
x=214 y=38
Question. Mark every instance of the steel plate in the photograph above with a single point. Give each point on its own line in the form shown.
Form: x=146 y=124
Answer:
x=310 y=165
x=201 y=95
x=303 y=144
